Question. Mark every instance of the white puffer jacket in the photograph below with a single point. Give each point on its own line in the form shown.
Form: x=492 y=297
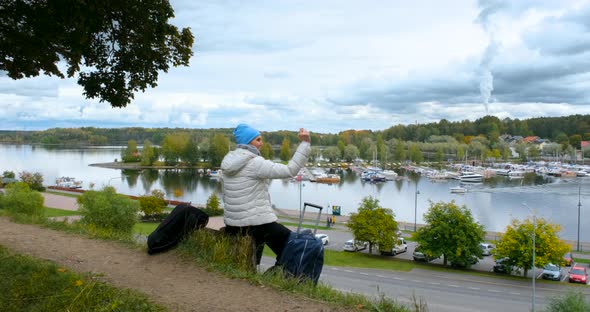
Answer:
x=246 y=177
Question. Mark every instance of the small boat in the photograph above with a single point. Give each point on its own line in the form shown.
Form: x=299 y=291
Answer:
x=467 y=176
x=330 y=178
x=68 y=182
x=390 y=175
x=215 y=173
x=458 y=189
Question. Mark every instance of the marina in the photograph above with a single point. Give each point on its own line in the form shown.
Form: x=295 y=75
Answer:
x=494 y=201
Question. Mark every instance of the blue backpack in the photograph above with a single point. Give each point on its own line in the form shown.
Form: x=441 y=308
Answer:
x=303 y=255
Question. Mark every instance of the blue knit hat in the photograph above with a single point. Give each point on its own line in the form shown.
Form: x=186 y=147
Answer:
x=245 y=134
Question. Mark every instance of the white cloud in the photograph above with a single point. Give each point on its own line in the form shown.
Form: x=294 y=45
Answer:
x=334 y=65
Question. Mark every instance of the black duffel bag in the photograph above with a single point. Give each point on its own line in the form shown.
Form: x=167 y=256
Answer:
x=180 y=223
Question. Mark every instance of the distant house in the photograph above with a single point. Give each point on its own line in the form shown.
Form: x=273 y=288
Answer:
x=530 y=139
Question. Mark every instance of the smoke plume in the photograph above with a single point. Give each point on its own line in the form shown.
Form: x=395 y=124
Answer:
x=486 y=83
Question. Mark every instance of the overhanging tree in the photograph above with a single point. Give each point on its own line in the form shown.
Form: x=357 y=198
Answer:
x=451 y=232
x=517 y=244
x=117 y=47
x=373 y=224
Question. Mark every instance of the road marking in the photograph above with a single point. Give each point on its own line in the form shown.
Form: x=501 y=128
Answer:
x=493 y=290
x=399 y=279
x=348 y=271
x=514 y=293
x=415 y=281
x=474 y=288
x=433 y=283
x=382 y=276
x=335 y=269
x=363 y=273
x=451 y=285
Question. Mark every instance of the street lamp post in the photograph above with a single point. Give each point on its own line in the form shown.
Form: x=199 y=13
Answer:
x=579 y=206
x=416 y=205
x=533 y=268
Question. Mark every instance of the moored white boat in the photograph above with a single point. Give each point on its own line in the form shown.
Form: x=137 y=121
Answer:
x=458 y=189
x=467 y=176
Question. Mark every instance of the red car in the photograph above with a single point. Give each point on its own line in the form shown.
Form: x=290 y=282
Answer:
x=578 y=274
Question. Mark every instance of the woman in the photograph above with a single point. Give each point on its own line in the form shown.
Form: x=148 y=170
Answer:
x=246 y=176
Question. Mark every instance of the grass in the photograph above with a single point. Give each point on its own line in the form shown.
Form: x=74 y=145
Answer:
x=39 y=285
x=145 y=228
x=233 y=256
x=73 y=195
x=582 y=260
x=55 y=212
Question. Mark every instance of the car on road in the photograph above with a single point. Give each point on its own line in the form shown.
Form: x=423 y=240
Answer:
x=323 y=237
x=486 y=249
x=568 y=259
x=503 y=265
x=578 y=274
x=552 y=272
x=420 y=255
x=354 y=245
x=400 y=246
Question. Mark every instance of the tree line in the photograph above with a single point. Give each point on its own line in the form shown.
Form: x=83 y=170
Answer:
x=438 y=142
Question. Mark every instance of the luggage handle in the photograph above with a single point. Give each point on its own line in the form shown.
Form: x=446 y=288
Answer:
x=317 y=221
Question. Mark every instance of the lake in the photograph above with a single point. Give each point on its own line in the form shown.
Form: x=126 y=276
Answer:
x=493 y=203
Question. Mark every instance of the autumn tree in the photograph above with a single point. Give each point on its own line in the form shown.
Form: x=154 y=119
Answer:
x=131 y=153
x=373 y=224
x=266 y=151
x=173 y=147
x=152 y=204
x=218 y=148
x=332 y=153
x=285 y=153
x=351 y=152
x=399 y=153
x=191 y=153
x=149 y=153
x=517 y=244
x=450 y=231
x=116 y=47
x=415 y=154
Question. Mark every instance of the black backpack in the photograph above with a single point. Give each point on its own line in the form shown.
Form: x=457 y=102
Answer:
x=180 y=223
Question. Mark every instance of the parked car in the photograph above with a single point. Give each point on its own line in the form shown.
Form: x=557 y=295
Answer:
x=400 y=246
x=420 y=255
x=568 y=259
x=323 y=237
x=486 y=249
x=353 y=245
x=503 y=265
x=578 y=274
x=552 y=272
x=464 y=263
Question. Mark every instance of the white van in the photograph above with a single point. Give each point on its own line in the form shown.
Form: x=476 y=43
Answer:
x=400 y=246
x=352 y=245
x=486 y=249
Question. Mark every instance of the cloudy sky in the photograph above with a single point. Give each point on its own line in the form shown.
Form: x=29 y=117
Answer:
x=333 y=65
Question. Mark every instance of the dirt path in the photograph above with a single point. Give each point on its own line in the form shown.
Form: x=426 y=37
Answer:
x=167 y=279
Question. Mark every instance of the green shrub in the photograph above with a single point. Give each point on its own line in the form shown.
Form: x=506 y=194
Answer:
x=212 y=208
x=570 y=302
x=20 y=199
x=8 y=174
x=107 y=210
x=152 y=204
x=34 y=180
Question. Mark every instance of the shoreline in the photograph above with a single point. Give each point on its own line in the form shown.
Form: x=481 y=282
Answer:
x=138 y=166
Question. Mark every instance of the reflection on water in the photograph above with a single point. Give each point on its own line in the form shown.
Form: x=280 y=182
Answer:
x=493 y=203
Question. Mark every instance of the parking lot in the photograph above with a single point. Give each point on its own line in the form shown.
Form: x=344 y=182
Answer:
x=339 y=237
